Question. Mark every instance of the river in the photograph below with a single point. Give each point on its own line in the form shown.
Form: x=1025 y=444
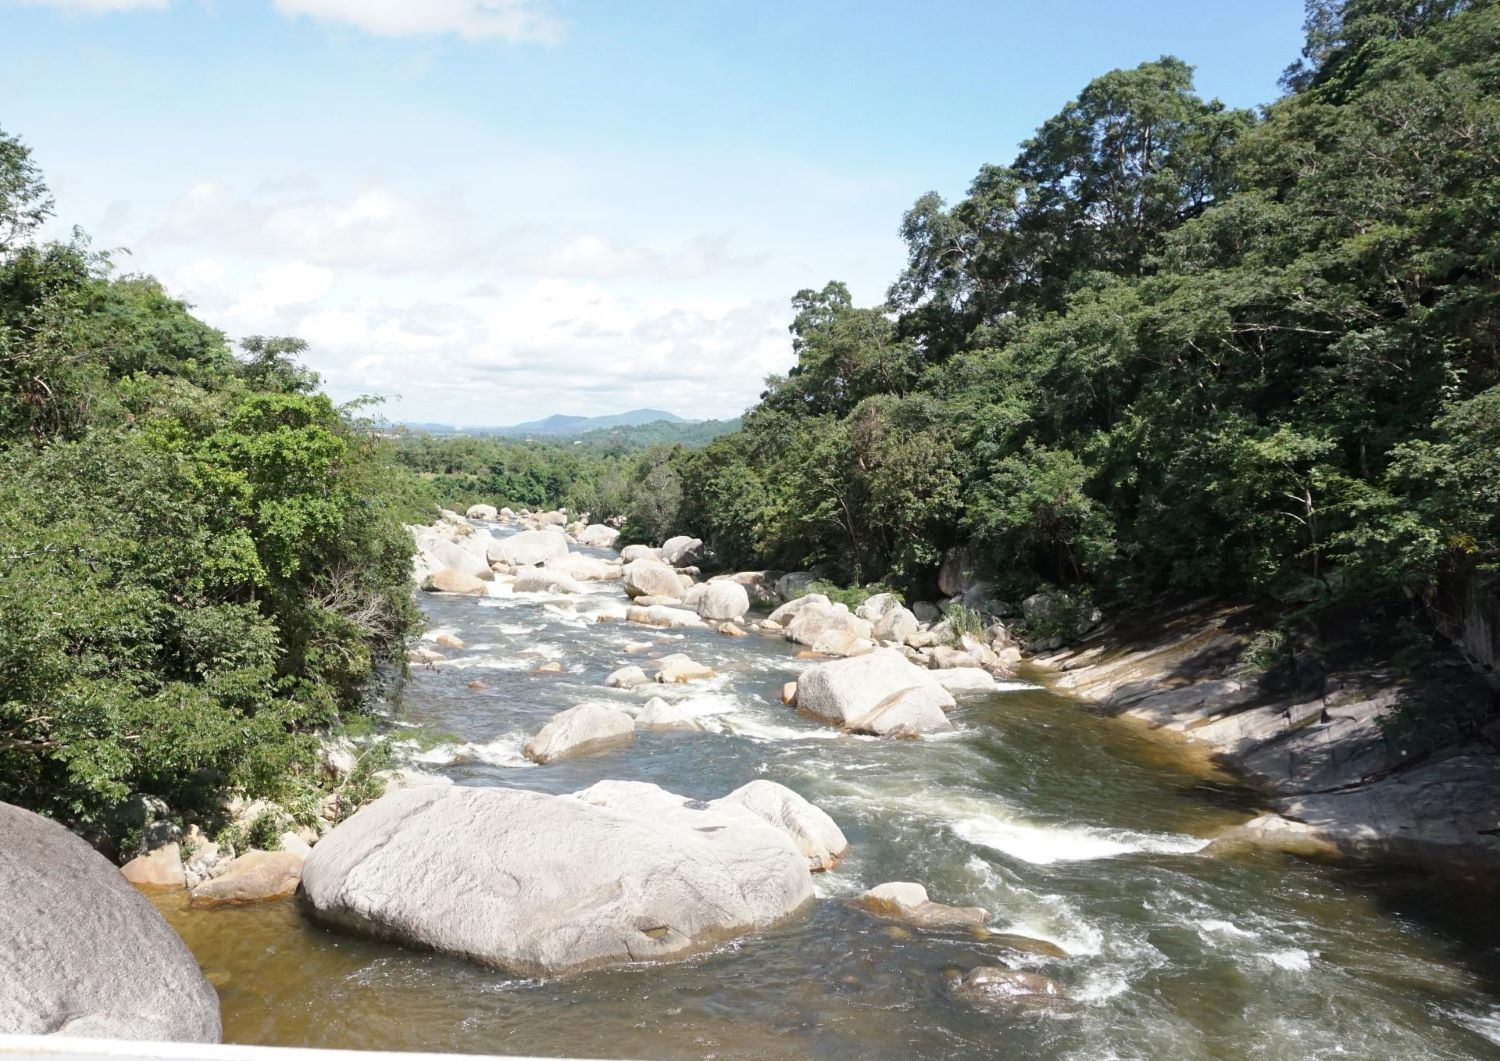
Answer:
x=1068 y=826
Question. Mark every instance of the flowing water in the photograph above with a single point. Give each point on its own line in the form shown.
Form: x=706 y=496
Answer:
x=1068 y=826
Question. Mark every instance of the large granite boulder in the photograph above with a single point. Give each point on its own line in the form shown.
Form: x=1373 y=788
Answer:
x=681 y=551
x=652 y=578
x=83 y=952
x=449 y=580
x=486 y=512
x=816 y=834
x=879 y=692
x=598 y=536
x=723 y=601
x=529 y=547
x=816 y=620
x=538 y=884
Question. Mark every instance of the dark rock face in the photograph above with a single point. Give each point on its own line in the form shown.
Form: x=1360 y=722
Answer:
x=83 y=952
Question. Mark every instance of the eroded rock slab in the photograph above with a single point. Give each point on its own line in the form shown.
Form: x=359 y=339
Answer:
x=533 y=883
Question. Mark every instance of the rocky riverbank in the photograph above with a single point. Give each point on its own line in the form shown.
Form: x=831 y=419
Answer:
x=1332 y=767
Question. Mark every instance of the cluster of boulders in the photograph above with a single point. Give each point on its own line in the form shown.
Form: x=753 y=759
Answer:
x=225 y=869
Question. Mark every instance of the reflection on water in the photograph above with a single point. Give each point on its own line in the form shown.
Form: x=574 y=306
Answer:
x=1067 y=826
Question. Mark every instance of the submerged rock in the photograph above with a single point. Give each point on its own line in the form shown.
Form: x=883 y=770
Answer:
x=85 y=954
x=879 y=692
x=993 y=986
x=907 y=902
x=585 y=729
x=621 y=872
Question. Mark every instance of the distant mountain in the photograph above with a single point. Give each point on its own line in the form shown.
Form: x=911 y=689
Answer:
x=559 y=425
x=690 y=433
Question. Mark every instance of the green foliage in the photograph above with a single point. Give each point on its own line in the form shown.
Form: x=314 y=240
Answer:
x=1170 y=345
x=202 y=563
x=852 y=596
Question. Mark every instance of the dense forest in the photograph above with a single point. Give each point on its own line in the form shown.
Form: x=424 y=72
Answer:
x=202 y=563
x=1171 y=345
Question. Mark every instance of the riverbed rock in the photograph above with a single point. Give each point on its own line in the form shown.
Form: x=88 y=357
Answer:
x=678 y=668
x=965 y=680
x=896 y=623
x=582 y=730
x=256 y=876
x=723 y=601
x=157 y=871
x=1272 y=832
x=447 y=580
x=544 y=580
x=788 y=611
x=681 y=551
x=637 y=552
x=652 y=578
x=874 y=607
x=812 y=622
x=663 y=616
x=598 y=536
x=584 y=568
x=626 y=678
x=731 y=630
x=660 y=715
x=486 y=512
x=840 y=641
x=908 y=903
x=879 y=692
x=816 y=835
x=529 y=547
x=994 y=987
x=789 y=693
x=85 y=954
x=621 y=872
x=794 y=583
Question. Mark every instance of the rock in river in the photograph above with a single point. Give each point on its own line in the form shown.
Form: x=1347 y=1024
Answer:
x=254 y=877
x=84 y=953
x=589 y=727
x=992 y=986
x=723 y=601
x=879 y=692
x=539 y=884
x=908 y=903
x=652 y=578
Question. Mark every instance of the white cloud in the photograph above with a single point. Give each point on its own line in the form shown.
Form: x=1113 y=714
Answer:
x=374 y=229
x=510 y=20
x=593 y=257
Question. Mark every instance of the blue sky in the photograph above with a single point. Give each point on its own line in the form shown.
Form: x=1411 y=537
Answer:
x=490 y=210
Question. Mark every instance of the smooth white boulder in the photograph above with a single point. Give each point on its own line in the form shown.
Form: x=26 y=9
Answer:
x=788 y=611
x=723 y=601
x=812 y=622
x=664 y=616
x=658 y=714
x=598 y=536
x=626 y=678
x=536 y=884
x=682 y=668
x=879 y=692
x=816 y=834
x=652 y=578
x=965 y=680
x=681 y=550
x=528 y=547
x=486 y=512
x=543 y=580
x=581 y=730
x=896 y=624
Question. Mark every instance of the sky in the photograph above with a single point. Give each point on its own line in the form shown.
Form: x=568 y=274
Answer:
x=488 y=211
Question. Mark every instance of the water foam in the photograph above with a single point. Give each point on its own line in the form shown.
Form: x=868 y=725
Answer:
x=1045 y=845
